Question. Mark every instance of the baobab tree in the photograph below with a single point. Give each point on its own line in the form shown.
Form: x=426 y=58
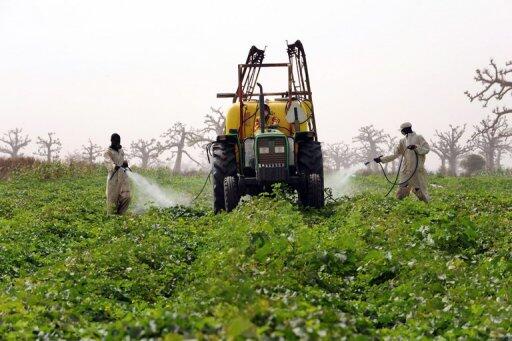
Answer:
x=49 y=148
x=214 y=126
x=502 y=151
x=13 y=142
x=442 y=157
x=371 y=141
x=215 y=122
x=147 y=151
x=178 y=138
x=497 y=83
x=91 y=151
x=391 y=143
x=449 y=148
x=339 y=155
x=492 y=139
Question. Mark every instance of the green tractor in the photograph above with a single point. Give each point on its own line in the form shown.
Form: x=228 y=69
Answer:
x=269 y=139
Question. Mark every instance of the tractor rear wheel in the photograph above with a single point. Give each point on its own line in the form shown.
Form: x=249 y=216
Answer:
x=310 y=166
x=224 y=165
x=315 y=191
x=231 y=193
x=309 y=158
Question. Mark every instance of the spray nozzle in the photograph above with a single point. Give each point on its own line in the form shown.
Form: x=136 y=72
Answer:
x=370 y=161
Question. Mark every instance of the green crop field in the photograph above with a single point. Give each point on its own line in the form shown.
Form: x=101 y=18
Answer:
x=364 y=266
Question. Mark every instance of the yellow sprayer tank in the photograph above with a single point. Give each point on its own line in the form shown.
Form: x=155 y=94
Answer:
x=251 y=112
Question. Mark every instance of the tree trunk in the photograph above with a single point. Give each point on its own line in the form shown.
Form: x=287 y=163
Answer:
x=179 y=153
x=453 y=166
x=144 y=161
x=490 y=160
x=373 y=152
x=443 y=166
x=177 y=163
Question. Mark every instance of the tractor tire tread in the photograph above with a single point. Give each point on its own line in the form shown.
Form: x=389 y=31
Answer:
x=310 y=165
x=315 y=191
x=231 y=193
x=224 y=164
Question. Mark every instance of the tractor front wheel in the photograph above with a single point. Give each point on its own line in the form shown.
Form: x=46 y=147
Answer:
x=231 y=193
x=224 y=165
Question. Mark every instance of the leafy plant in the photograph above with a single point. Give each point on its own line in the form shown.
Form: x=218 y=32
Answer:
x=365 y=266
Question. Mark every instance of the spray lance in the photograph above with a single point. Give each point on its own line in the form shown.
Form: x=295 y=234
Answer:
x=368 y=162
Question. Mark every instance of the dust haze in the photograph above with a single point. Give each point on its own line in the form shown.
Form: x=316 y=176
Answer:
x=74 y=72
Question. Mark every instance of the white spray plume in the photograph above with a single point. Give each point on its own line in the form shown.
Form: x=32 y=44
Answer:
x=150 y=194
x=341 y=181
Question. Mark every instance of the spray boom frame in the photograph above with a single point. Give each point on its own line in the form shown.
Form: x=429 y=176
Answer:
x=299 y=87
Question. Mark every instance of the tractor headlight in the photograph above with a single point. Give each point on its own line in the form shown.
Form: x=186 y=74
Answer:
x=264 y=150
x=279 y=149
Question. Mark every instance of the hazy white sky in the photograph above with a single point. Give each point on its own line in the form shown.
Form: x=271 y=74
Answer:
x=88 y=68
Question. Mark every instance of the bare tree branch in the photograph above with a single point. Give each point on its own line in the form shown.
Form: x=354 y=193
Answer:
x=495 y=86
x=492 y=138
x=370 y=141
x=197 y=137
x=147 y=151
x=14 y=142
x=49 y=148
x=214 y=126
x=391 y=143
x=91 y=151
x=449 y=148
x=339 y=155
x=191 y=158
x=178 y=138
x=215 y=122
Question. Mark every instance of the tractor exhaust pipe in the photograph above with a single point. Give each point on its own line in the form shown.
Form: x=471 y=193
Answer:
x=262 y=109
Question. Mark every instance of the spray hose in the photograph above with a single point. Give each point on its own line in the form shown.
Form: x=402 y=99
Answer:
x=395 y=182
x=204 y=186
x=123 y=168
x=209 y=153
